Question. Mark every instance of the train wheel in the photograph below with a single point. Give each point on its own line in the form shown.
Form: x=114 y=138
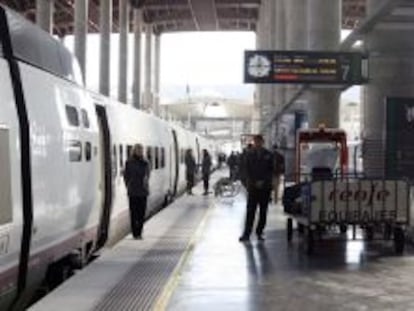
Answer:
x=369 y=231
x=301 y=229
x=289 y=228
x=399 y=240
x=387 y=232
x=310 y=241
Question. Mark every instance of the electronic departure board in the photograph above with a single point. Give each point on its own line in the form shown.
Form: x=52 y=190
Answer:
x=305 y=67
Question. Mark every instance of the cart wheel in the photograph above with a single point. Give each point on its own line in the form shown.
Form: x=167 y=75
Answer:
x=343 y=228
x=387 y=232
x=301 y=229
x=309 y=241
x=289 y=229
x=399 y=240
x=369 y=231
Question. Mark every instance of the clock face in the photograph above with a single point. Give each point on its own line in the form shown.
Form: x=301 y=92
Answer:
x=259 y=66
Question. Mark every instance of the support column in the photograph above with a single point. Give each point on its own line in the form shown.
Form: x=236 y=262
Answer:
x=157 y=70
x=391 y=75
x=324 y=34
x=81 y=30
x=266 y=91
x=296 y=35
x=137 y=59
x=44 y=14
x=123 y=50
x=105 y=57
x=148 y=68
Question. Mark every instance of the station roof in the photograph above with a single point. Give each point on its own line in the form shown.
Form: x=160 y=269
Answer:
x=178 y=15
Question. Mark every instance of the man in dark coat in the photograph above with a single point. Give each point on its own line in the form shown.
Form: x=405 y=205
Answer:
x=190 y=170
x=136 y=177
x=232 y=163
x=258 y=174
x=206 y=169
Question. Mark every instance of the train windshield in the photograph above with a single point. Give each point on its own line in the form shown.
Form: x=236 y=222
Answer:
x=33 y=46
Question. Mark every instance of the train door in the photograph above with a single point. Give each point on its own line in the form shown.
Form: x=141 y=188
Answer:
x=175 y=160
x=105 y=178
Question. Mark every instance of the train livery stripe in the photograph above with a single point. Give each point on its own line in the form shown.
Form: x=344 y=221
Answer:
x=26 y=176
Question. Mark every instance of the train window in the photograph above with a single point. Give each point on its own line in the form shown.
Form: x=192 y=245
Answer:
x=85 y=118
x=157 y=157
x=74 y=149
x=149 y=155
x=88 y=151
x=72 y=115
x=163 y=157
x=121 y=156
x=6 y=212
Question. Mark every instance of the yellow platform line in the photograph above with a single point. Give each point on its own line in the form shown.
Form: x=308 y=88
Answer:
x=164 y=297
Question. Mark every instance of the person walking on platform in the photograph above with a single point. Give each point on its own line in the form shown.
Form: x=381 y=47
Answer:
x=258 y=174
x=190 y=170
x=242 y=166
x=136 y=178
x=232 y=163
x=205 y=170
x=278 y=171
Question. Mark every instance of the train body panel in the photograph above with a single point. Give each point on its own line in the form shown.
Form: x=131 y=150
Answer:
x=62 y=164
x=10 y=183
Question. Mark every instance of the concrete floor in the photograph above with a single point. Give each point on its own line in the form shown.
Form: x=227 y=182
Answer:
x=224 y=274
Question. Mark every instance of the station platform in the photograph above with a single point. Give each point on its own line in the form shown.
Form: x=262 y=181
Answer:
x=191 y=259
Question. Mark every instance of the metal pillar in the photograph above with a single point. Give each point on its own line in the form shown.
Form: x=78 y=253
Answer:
x=279 y=36
x=123 y=50
x=266 y=42
x=157 y=47
x=296 y=35
x=44 y=14
x=391 y=75
x=81 y=30
x=324 y=33
x=148 y=68
x=137 y=58
x=105 y=57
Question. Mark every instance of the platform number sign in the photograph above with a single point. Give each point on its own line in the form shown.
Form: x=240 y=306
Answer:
x=305 y=67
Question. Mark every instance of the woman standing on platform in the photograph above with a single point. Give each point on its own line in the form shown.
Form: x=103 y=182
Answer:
x=205 y=170
x=190 y=170
x=136 y=177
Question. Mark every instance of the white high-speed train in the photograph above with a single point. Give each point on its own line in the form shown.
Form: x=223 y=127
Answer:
x=62 y=152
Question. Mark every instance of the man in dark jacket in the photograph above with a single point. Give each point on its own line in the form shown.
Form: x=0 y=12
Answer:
x=190 y=170
x=136 y=177
x=258 y=174
x=205 y=170
x=232 y=163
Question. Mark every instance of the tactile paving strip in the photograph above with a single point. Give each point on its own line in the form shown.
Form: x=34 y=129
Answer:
x=140 y=287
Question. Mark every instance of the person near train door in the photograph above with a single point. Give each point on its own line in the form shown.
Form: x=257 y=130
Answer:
x=205 y=170
x=278 y=171
x=258 y=174
x=190 y=170
x=136 y=177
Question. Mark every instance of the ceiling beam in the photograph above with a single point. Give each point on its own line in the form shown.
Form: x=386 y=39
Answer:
x=205 y=16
